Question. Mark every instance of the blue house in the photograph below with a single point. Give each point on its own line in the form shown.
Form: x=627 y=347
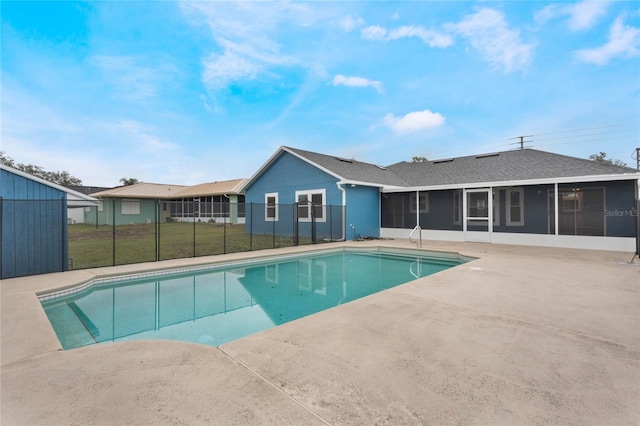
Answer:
x=341 y=196
x=527 y=197
x=33 y=213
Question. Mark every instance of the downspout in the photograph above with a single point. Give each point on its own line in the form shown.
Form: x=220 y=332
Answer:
x=344 y=205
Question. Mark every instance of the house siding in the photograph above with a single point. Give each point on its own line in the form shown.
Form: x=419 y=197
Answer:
x=286 y=175
x=34 y=227
x=363 y=211
x=109 y=206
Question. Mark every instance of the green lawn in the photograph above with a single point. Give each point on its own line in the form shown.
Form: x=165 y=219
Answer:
x=91 y=246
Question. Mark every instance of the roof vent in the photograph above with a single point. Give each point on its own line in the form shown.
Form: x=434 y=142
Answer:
x=493 y=154
x=381 y=167
x=446 y=160
x=346 y=160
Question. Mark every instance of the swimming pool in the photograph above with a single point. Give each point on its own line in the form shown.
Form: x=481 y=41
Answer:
x=218 y=303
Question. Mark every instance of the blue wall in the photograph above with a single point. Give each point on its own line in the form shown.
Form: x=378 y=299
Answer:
x=363 y=211
x=288 y=174
x=34 y=227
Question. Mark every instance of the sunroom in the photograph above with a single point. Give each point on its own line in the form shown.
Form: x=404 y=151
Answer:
x=595 y=212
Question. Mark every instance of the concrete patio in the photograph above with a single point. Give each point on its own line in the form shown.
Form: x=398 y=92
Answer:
x=522 y=335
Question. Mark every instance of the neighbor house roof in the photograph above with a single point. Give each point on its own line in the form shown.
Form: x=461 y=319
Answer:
x=225 y=187
x=505 y=166
x=74 y=198
x=141 y=190
x=163 y=191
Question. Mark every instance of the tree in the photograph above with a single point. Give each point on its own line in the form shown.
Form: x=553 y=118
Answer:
x=60 y=177
x=602 y=158
x=419 y=159
x=129 y=181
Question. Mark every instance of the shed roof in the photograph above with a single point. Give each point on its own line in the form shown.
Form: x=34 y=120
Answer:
x=74 y=198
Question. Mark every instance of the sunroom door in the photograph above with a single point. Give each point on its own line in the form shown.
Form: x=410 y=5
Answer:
x=478 y=218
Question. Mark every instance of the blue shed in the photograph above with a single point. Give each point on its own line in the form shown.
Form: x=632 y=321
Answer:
x=33 y=219
x=297 y=186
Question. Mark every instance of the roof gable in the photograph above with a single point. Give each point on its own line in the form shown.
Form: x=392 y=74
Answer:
x=344 y=169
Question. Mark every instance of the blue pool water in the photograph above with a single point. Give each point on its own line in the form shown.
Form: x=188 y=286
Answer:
x=217 y=304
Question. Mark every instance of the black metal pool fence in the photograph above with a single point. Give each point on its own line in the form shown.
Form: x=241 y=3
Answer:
x=42 y=236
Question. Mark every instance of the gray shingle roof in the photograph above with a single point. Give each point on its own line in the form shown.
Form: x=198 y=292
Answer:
x=501 y=166
x=516 y=165
x=352 y=170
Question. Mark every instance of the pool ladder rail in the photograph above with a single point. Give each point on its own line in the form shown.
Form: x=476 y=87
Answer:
x=419 y=242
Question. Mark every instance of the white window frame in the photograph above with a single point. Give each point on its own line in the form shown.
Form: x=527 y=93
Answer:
x=508 y=206
x=309 y=194
x=267 y=206
x=130 y=207
x=424 y=202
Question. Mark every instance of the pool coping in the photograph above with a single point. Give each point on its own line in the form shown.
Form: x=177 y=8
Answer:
x=49 y=294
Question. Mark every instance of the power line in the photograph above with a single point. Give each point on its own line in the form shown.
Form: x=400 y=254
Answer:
x=588 y=128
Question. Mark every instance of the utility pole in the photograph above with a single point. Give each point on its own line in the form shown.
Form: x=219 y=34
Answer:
x=522 y=141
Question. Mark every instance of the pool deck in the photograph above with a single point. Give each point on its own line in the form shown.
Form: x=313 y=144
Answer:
x=522 y=335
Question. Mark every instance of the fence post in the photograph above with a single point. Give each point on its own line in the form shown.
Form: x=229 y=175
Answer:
x=295 y=225
x=113 y=225
x=330 y=223
x=312 y=207
x=63 y=244
x=1 y=241
x=194 y=229
x=250 y=224
x=157 y=229
x=224 y=236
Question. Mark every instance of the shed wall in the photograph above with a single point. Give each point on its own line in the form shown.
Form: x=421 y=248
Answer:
x=34 y=227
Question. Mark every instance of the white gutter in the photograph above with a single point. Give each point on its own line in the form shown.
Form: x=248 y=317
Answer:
x=522 y=182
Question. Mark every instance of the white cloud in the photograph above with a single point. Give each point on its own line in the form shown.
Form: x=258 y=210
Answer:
x=373 y=32
x=349 y=23
x=581 y=16
x=489 y=34
x=413 y=121
x=428 y=37
x=624 y=41
x=357 y=82
x=220 y=70
x=142 y=137
x=131 y=78
x=246 y=32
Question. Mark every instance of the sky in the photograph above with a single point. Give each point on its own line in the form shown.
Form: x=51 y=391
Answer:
x=183 y=92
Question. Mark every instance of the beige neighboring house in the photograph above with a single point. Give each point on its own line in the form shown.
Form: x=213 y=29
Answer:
x=153 y=202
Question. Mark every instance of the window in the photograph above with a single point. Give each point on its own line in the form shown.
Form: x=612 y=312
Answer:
x=271 y=207
x=515 y=211
x=130 y=206
x=313 y=199
x=457 y=207
x=423 y=202
x=581 y=211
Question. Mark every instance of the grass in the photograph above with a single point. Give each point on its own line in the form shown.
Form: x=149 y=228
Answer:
x=91 y=246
